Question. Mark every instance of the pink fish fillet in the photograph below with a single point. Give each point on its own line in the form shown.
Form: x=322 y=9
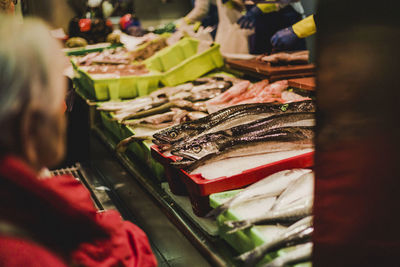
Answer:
x=232 y=92
x=293 y=97
x=277 y=88
x=250 y=93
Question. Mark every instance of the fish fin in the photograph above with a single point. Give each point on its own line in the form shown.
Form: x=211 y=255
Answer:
x=249 y=258
x=213 y=214
x=123 y=145
x=181 y=164
x=237 y=226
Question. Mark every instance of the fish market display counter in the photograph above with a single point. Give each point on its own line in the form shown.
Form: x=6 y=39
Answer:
x=176 y=238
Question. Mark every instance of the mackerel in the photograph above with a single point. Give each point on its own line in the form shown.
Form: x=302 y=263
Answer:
x=288 y=214
x=297 y=190
x=296 y=233
x=220 y=146
x=301 y=253
x=225 y=119
x=272 y=185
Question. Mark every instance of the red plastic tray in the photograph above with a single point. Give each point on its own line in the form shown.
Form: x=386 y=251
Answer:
x=172 y=175
x=200 y=188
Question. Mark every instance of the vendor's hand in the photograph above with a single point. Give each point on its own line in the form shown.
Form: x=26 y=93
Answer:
x=284 y=39
x=248 y=21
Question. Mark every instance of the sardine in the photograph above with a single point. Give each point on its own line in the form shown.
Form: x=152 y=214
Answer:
x=161 y=109
x=288 y=214
x=220 y=146
x=270 y=186
x=301 y=253
x=299 y=189
x=136 y=103
x=225 y=119
x=297 y=233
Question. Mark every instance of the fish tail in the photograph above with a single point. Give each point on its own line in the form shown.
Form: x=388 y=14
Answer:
x=249 y=258
x=237 y=226
x=123 y=145
x=254 y=256
x=217 y=211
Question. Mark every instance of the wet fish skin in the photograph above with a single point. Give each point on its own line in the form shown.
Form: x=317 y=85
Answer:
x=219 y=146
x=160 y=109
x=185 y=131
x=289 y=214
x=302 y=253
x=272 y=185
x=297 y=233
x=301 y=188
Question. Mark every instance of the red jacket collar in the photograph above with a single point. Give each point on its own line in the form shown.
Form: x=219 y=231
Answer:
x=58 y=211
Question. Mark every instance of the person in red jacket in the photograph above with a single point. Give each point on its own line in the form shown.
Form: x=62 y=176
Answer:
x=52 y=221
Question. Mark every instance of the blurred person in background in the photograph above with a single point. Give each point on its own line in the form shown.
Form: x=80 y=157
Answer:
x=204 y=11
x=52 y=221
x=267 y=19
x=287 y=38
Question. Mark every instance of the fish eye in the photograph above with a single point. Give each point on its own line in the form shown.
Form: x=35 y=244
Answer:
x=196 y=149
x=173 y=134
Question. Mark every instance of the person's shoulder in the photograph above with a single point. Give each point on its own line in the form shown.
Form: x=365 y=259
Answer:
x=19 y=252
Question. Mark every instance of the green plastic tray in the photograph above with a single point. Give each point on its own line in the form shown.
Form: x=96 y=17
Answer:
x=88 y=49
x=119 y=88
x=141 y=150
x=194 y=67
x=245 y=240
x=172 y=56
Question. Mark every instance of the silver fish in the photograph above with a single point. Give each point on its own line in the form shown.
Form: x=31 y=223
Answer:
x=299 y=189
x=227 y=118
x=288 y=214
x=296 y=233
x=272 y=185
x=220 y=146
x=301 y=253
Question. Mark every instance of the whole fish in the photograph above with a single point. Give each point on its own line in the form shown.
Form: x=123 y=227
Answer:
x=301 y=253
x=288 y=214
x=299 y=189
x=118 y=105
x=225 y=119
x=175 y=116
x=272 y=185
x=261 y=125
x=219 y=146
x=183 y=104
x=296 y=233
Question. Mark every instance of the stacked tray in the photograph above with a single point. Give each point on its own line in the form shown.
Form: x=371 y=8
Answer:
x=141 y=150
x=172 y=65
x=245 y=240
x=199 y=189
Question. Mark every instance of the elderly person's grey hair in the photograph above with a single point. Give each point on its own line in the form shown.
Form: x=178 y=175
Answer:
x=32 y=90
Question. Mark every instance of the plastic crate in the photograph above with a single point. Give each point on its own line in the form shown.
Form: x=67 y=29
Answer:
x=124 y=87
x=89 y=49
x=172 y=56
x=198 y=188
x=172 y=175
x=141 y=150
x=243 y=240
x=111 y=125
x=194 y=67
